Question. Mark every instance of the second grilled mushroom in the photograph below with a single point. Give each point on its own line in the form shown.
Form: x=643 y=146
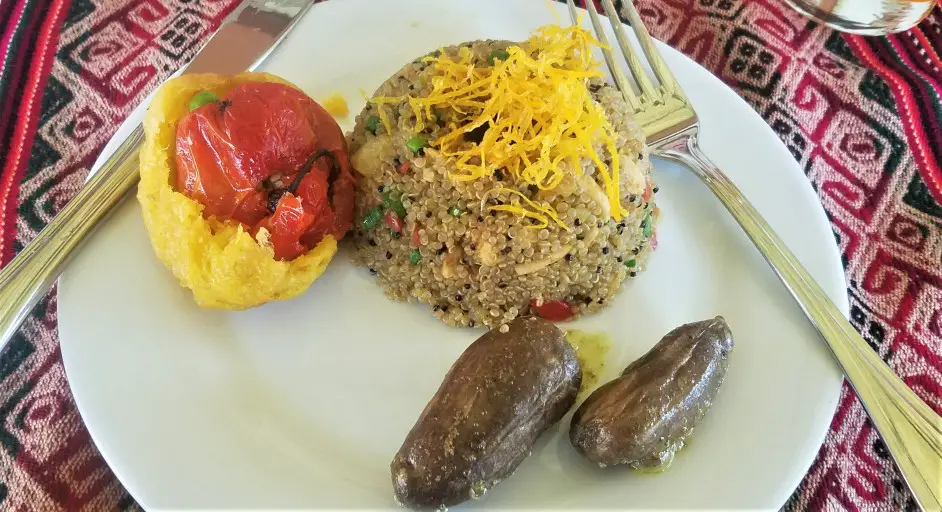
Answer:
x=644 y=416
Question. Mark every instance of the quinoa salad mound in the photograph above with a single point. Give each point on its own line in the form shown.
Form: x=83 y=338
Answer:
x=501 y=179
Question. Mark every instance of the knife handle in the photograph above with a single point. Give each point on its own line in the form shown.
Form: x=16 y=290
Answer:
x=30 y=274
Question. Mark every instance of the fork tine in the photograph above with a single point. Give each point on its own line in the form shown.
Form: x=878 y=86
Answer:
x=634 y=63
x=614 y=68
x=572 y=12
x=661 y=71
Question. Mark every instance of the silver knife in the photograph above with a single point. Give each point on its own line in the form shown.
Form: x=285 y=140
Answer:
x=245 y=39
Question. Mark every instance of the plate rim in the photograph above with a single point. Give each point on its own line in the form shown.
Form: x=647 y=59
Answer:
x=841 y=300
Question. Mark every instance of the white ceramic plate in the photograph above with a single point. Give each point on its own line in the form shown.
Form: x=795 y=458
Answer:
x=303 y=403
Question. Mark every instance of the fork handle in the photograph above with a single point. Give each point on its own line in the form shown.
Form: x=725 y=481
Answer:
x=911 y=430
x=30 y=274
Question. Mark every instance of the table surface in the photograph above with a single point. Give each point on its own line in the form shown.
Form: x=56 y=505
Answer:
x=861 y=115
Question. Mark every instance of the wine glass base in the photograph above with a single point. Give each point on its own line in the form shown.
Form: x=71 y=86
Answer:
x=905 y=16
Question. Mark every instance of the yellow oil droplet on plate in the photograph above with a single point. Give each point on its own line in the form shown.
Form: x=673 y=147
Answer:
x=336 y=106
x=591 y=350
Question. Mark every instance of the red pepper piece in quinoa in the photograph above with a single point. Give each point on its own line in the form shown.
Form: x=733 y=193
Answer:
x=552 y=310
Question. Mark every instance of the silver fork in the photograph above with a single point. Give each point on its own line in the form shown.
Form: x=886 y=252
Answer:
x=911 y=430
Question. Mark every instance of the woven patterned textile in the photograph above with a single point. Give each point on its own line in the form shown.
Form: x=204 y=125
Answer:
x=860 y=115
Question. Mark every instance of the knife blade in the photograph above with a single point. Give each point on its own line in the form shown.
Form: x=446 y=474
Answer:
x=248 y=36
x=245 y=39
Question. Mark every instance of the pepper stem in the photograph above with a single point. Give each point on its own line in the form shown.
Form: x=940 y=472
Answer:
x=309 y=164
x=275 y=196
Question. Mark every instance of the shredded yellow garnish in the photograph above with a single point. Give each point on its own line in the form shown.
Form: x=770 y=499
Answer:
x=538 y=110
x=540 y=212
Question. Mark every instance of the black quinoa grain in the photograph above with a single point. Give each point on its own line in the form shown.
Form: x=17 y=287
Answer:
x=569 y=257
x=598 y=270
x=506 y=250
x=371 y=242
x=580 y=237
x=601 y=301
x=577 y=222
x=436 y=308
x=502 y=285
x=636 y=250
x=655 y=189
x=480 y=219
x=632 y=274
x=445 y=309
x=380 y=188
x=604 y=250
x=396 y=234
x=388 y=255
x=428 y=215
x=373 y=271
x=474 y=247
x=632 y=198
x=443 y=250
x=587 y=300
x=498 y=175
x=458 y=297
x=620 y=259
x=467 y=286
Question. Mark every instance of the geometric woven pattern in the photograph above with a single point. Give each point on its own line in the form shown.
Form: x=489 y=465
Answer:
x=860 y=115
